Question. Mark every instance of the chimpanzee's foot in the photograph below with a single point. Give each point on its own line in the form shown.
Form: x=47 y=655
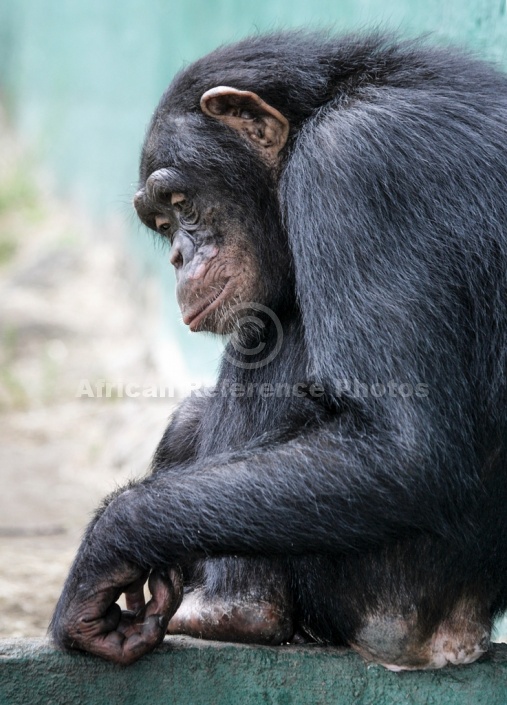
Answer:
x=241 y=620
x=395 y=642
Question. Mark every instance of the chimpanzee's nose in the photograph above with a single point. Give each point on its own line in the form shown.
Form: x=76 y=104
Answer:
x=182 y=250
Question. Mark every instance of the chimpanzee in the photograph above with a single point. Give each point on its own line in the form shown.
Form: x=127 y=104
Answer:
x=338 y=208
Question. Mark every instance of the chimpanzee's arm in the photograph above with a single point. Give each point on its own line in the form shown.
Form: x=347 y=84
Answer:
x=321 y=492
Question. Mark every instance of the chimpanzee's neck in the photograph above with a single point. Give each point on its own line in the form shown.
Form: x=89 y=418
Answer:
x=261 y=395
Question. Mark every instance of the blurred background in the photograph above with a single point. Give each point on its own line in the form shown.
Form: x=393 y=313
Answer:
x=87 y=298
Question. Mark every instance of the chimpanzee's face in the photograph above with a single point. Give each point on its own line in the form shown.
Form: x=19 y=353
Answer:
x=215 y=265
x=214 y=218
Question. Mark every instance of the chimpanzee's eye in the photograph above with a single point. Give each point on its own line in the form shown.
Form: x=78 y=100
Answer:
x=166 y=225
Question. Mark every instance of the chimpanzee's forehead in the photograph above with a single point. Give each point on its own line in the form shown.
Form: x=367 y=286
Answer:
x=188 y=142
x=170 y=142
x=173 y=130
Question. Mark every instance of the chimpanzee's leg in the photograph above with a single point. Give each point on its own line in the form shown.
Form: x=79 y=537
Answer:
x=405 y=606
x=400 y=606
x=236 y=599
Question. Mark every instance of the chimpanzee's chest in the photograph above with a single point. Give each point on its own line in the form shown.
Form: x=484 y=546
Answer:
x=261 y=398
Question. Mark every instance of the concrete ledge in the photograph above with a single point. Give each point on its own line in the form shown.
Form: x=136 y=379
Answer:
x=187 y=671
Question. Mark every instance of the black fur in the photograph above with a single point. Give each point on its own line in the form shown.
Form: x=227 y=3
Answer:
x=385 y=249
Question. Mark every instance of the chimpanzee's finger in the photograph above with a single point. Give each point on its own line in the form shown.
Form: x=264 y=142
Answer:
x=166 y=590
x=134 y=594
x=130 y=641
x=86 y=618
x=167 y=593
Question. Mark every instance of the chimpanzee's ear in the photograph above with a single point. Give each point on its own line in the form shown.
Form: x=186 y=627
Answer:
x=262 y=125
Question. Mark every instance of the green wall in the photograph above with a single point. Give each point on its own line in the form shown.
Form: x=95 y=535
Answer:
x=186 y=671
x=82 y=78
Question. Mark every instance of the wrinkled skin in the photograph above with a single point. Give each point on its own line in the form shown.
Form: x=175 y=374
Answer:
x=95 y=623
x=215 y=262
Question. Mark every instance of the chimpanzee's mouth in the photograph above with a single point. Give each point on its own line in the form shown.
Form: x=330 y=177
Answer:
x=196 y=316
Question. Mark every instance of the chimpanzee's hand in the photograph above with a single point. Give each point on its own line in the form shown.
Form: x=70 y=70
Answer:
x=88 y=618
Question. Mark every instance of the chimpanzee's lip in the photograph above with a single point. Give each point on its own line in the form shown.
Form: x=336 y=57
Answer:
x=193 y=318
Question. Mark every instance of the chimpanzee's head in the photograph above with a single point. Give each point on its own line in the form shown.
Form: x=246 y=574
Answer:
x=208 y=185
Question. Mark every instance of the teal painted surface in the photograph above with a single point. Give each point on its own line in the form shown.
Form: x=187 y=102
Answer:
x=83 y=78
x=189 y=672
